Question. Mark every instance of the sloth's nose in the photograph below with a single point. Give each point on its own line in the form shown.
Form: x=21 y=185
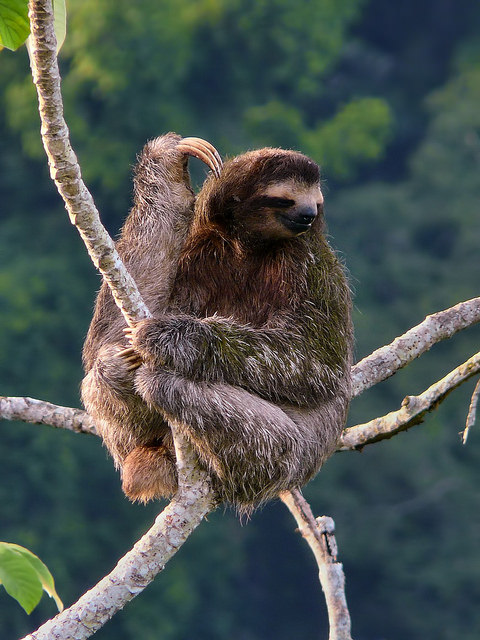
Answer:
x=306 y=215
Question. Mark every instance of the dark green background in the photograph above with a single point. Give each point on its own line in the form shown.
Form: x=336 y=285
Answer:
x=385 y=96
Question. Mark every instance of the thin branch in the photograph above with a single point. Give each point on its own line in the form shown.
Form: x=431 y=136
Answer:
x=412 y=411
x=140 y=565
x=319 y=535
x=472 y=412
x=387 y=360
x=40 y=412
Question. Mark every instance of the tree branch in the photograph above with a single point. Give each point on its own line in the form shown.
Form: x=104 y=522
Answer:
x=40 y=412
x=64 y=167
x=318 y=533
x=387 y=360
x=140 y=565
x=412 y=411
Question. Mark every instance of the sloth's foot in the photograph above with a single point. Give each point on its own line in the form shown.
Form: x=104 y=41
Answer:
x=149 y=473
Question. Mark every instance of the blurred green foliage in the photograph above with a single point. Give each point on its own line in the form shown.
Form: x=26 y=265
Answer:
x=385 y=96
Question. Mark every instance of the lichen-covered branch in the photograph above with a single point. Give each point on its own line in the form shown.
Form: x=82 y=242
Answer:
x=140 y=565
x=387 y=360
x=412 y=411
x=40 y=412
x=319 y=535
x=64 y=167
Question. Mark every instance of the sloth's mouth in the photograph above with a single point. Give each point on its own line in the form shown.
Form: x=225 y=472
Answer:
x=299 y=223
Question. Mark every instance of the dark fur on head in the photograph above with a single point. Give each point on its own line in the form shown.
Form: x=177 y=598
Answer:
x=245 y=175
x=249 y=351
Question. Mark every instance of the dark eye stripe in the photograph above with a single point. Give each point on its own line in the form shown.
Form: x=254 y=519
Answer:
x=277 y=203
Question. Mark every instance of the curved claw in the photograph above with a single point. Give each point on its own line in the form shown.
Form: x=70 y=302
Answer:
x=204 y=151
x=130 y=357
x=126 y=353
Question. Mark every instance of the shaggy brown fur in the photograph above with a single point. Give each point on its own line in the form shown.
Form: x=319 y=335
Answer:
x=249 y=351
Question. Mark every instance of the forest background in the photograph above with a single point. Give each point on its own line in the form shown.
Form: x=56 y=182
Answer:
x=385 y=96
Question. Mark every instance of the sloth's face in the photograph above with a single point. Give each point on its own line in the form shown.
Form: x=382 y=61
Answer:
x=283 y=210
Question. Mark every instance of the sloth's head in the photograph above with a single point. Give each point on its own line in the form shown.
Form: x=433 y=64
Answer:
x=262 y=196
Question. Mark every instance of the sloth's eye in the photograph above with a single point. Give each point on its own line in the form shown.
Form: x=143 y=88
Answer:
x=272 y=202
x=280 y=203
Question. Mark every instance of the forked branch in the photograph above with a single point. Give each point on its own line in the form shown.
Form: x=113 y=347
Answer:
x=319 y=535
x=384 y=362
x=412 y=411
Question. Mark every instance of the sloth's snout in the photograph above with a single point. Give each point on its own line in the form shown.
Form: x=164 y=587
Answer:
x=298 y=219
x=305 y=215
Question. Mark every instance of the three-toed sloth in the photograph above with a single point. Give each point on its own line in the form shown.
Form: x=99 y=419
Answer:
x=250 y=345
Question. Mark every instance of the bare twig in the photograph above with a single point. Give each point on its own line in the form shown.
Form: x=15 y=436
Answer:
x=319 y=535
x=412 y=411
x=472 y=412
x=386 y=361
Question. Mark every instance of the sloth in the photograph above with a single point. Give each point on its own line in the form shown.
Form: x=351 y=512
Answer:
x=249 y=349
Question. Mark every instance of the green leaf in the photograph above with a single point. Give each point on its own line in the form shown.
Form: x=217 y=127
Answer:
x=19 y=578
x=14 y=23
x=24 y=576
x=60 y=22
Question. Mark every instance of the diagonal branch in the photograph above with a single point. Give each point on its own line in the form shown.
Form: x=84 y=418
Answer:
x=387 y=360
x=412 y=411
x=139 y=566
x=472 y=412
x=64 y=167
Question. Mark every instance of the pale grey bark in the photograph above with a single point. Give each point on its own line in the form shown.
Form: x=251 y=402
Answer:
x=412 y=411
x=140 y=565
x=39 y=412
x=472 y=412
x=384 y=362
x=64 y=167
x=319 y=535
